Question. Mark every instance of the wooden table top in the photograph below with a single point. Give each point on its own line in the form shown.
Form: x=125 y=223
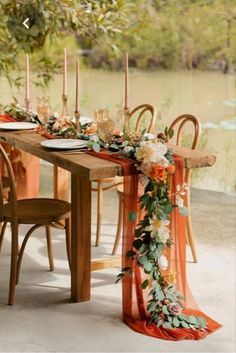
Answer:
x=87 y=165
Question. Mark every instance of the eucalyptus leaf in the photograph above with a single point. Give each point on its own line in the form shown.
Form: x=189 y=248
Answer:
x=145 y=283
x=165 y=310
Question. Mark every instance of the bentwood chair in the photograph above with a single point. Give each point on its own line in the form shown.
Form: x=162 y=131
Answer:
x=177 y=125
x=142 y=116
x=37 y=212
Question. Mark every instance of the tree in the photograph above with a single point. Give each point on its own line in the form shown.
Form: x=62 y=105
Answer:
x=52 y=19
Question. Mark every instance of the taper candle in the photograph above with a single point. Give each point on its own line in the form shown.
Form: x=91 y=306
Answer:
x=126 y=80
x=77 y=87
x=65 y=73
x=27 y=93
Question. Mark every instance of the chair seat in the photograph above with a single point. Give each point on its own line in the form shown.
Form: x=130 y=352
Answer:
x=38 y=211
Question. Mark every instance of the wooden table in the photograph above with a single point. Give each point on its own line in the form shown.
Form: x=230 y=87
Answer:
x=84 y=169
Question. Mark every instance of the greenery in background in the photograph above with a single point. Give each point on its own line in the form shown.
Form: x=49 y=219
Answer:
x=156 y=33
x=55 y=19
x=178 y=34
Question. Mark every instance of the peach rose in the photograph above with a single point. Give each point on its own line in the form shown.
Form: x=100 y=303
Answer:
x=170 y=169
x=92 y=129
x=157 y=173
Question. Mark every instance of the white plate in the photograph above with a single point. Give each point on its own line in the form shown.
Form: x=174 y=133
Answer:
x=85 y=120
x=21 y=125
x=64 y=144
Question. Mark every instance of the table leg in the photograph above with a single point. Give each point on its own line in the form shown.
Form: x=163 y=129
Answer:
x=80 y=238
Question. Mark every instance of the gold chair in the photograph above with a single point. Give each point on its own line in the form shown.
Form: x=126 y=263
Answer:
x=40 y=212
x=177 y=125
x=137 y=121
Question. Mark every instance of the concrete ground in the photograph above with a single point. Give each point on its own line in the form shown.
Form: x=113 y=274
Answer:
x=44 y=320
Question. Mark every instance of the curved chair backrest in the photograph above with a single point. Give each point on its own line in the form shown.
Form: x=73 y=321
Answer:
x=180 y=122
x=139 y=113
x=12 y=198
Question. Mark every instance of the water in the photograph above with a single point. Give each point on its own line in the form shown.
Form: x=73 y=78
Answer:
x=208 y=95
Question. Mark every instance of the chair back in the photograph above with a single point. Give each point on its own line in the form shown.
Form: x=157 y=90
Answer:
x=12 y=197
x=178 y=124
x=138 y=118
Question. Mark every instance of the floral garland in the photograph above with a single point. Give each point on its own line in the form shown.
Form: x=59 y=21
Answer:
x=20 y=113
x=152 y=234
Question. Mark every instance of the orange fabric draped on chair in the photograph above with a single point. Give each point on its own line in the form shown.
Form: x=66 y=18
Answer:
x=25 y=167
x=134 y=298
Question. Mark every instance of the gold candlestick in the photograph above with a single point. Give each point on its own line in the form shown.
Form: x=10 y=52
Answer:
x=64 y=106
x=126 y=128
x=77 y=121
x=27 y=106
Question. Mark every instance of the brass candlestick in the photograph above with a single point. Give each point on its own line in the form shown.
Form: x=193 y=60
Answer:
x=126 y=128
x=77 y=121
x=64 y=106
x=27 y=106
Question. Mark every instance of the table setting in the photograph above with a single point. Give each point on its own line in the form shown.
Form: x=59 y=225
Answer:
x=156 y=299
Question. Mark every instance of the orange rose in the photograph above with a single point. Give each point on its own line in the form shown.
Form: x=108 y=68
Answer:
x=92 y=129
x=158 y=173
x=170 y=169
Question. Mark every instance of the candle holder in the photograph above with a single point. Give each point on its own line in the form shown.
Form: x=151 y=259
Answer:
x=64 y=106
x=77 y=121
x=126 y=127
x=27 y=107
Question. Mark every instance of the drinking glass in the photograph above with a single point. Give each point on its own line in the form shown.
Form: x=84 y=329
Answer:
x=105 y=130
x=43 y=108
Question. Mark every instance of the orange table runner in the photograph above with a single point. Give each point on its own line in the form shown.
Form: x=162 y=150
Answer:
x=134 y=298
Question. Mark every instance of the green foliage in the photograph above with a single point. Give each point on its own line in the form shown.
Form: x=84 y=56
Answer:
x=54 y=19
x=178 y=34
x=165 y=303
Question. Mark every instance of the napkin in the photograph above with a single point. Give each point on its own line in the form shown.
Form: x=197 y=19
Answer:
x=5 y=118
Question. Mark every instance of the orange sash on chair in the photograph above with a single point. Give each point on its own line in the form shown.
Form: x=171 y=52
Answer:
x=25 y=167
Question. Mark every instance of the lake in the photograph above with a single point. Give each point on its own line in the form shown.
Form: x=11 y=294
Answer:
x=208 y=95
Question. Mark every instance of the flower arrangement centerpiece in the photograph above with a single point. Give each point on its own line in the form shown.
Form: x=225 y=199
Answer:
x=155 y=164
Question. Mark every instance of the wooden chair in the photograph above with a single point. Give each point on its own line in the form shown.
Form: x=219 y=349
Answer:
x=177 y=125
x=137 y=121
x=181 y=120
x=39 y=212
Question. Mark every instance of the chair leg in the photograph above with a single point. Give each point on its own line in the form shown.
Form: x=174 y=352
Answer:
x=49 y=248
x=190 y=237
x=3 y=228
x=32 y=229
x=99 y=212
x=13 y=271
x=68 y=239
x=119 y=225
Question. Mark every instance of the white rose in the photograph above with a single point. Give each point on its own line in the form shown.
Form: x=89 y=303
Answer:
x=150 y=152
x=163 y=262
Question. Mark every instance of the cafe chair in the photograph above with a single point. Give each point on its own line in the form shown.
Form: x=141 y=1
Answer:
x=177 y=125
x=39 y=212
x=143 y=116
